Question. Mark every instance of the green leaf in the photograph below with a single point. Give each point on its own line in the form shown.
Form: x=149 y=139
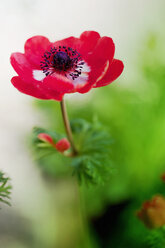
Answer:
x=93 y=164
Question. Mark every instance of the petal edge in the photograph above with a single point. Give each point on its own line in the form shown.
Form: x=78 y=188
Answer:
x=113 y=72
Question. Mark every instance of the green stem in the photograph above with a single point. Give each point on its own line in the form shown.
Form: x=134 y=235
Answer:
x=85 y=225
x=67 y=126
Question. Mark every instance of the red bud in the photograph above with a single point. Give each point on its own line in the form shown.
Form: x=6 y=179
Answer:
x=46 y=138
x=62 y=145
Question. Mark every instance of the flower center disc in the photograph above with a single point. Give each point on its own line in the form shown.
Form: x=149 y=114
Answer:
x=61 y=61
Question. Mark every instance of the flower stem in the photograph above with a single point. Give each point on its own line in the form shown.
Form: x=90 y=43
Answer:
x=85 y=224
x=67 y=126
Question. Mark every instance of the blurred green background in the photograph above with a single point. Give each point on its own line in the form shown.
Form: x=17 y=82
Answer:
x=46 y=207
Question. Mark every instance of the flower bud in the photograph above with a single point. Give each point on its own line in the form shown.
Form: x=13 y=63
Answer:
x=46 y=138
x=152 y=213
x=62 y=145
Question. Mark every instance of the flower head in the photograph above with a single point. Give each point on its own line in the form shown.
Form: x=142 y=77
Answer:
x=152 y=212
x=48 y=70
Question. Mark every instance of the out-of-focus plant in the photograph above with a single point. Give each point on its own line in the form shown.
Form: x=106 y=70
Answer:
x=152 y=213
x=5 y=189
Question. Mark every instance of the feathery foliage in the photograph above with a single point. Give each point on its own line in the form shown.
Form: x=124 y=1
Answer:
x=156 y=239
x=92 y=164
x=4 y=189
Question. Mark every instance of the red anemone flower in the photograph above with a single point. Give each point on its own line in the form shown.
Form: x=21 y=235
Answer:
x=48 y=70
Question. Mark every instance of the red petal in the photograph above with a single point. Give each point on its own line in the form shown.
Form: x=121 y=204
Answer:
x=94 y=75
x=91 y=36
x=36 y=90
x=85 y=88
x=103 y=51
x=22 y=66
x=54 y=95
x=114 y=71
x=98 y=59
x=59 y=83
x=35 y=48
x=84 y=44
x=28 y=89
x=89 y=39
x=72 y=42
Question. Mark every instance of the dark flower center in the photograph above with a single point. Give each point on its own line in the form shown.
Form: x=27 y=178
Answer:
x=64 y=60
